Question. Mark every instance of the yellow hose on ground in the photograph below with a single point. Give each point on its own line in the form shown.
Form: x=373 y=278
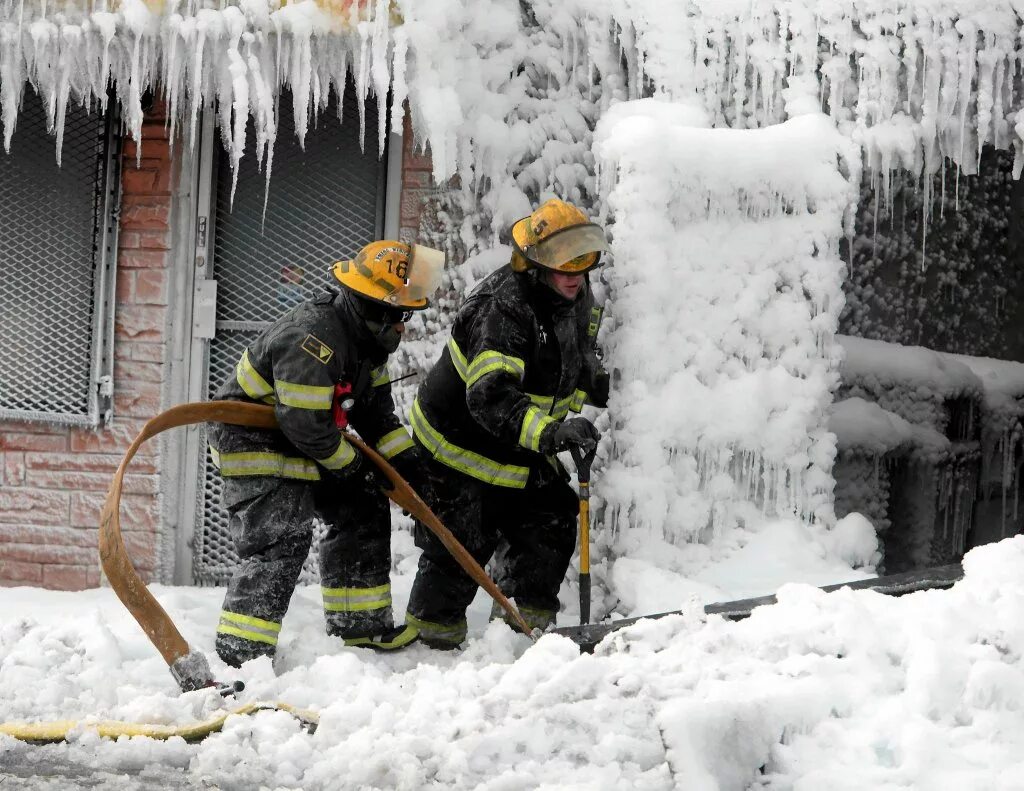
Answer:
x=59 y=730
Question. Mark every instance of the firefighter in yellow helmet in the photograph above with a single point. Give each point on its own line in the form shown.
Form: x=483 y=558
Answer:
x=492 y=415
x=323 y=365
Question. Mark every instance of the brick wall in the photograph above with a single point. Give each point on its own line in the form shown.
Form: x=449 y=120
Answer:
x=53 y=479
x=417 y=184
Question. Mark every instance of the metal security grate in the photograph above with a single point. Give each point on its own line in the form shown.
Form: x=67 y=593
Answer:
x=325 y=203
x=57 y=237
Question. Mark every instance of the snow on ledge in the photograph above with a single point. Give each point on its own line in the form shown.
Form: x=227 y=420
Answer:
x=915 y=366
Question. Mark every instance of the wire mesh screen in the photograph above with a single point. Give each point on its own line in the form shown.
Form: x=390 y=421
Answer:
x=49 y=253
x=324 y=204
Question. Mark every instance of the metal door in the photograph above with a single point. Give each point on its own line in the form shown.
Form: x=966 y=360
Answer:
x=324 y=203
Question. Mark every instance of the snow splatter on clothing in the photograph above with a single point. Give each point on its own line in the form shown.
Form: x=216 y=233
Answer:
x=519 y=359
x=276 y=481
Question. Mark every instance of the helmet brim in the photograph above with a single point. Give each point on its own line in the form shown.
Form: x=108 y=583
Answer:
x=560 y=251
x=426 y=268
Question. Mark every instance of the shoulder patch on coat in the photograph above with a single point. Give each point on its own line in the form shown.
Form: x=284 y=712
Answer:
x=315 y=347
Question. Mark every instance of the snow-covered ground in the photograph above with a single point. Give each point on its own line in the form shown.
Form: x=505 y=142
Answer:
x=847 y=690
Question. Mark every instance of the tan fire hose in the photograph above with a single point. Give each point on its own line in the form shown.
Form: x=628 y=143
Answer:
x=189 y=667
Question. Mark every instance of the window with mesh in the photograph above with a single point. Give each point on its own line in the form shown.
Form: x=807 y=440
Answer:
x=54 y=266
x=324 y=204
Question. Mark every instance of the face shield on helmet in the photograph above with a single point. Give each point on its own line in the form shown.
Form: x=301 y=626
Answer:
x=559 y=237
x=394 y=274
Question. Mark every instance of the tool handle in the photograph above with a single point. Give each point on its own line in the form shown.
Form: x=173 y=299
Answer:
x=583 y=462
x=584 y=599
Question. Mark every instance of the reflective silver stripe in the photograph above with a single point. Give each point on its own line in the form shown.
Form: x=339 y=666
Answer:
x=342 y=457
x=249 y=379
x=465 y=461
x=356 y=599
x=264 y=463
x=458 y=359
x=248 y=627
x=304 y=396
x=534 y=423
x=394 y=442
x=449 y=633
x=578 y=399
x=488 y=362
x=379 y=376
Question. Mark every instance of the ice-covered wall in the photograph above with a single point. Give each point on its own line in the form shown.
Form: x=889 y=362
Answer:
x=726 y=292
x=506 y=94
x=911 y=81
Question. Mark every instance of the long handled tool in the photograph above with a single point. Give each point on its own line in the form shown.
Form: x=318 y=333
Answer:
x=190 y=667
x=583 y=463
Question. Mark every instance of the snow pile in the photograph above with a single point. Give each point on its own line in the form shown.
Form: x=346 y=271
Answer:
x=845 y=690
x=725 y=295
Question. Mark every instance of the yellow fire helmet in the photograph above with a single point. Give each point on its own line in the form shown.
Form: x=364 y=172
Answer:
x=393 y=273
x=557 y=236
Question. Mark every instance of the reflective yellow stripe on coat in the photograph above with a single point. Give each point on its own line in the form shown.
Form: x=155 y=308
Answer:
x=233 y=465
x=393 y=443
x=466 y=461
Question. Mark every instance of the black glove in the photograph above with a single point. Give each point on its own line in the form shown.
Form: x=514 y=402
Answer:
x=599 y=388
x=577 y=432
x=362 y=473
x=411 y=465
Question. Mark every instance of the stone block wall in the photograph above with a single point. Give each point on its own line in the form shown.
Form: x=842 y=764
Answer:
x=53 y=478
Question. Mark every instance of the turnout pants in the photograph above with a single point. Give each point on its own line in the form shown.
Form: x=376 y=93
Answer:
x=531 y=533
x=271 y=522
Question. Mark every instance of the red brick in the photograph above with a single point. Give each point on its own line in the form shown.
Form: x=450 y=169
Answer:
x=138 y=180
x=412 y=201
x=416 y=179
x=12 y=468
x=24 y=427
x=86 y=462
x=53 y=442
x=145 y=212
x=157 y=149
x=53 y=534
x=112 y=439
x=141 y=548
x=94 y=576
x=68 y=578
x=147 y=352
x=141 y=399
x=416 y=160
x=128 y=240
x=48 y=553
x=150 y=287
x=153 y=239
x=16 y=573
x=140 y=322
x=124 y=293
x=138 y=512
x=129 y=372
x=142 y=259
x=69 y=480
x=32 y=506
x=164 y=178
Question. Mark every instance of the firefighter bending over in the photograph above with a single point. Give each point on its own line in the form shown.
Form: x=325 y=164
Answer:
x=491 y=413
x=322 y=365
